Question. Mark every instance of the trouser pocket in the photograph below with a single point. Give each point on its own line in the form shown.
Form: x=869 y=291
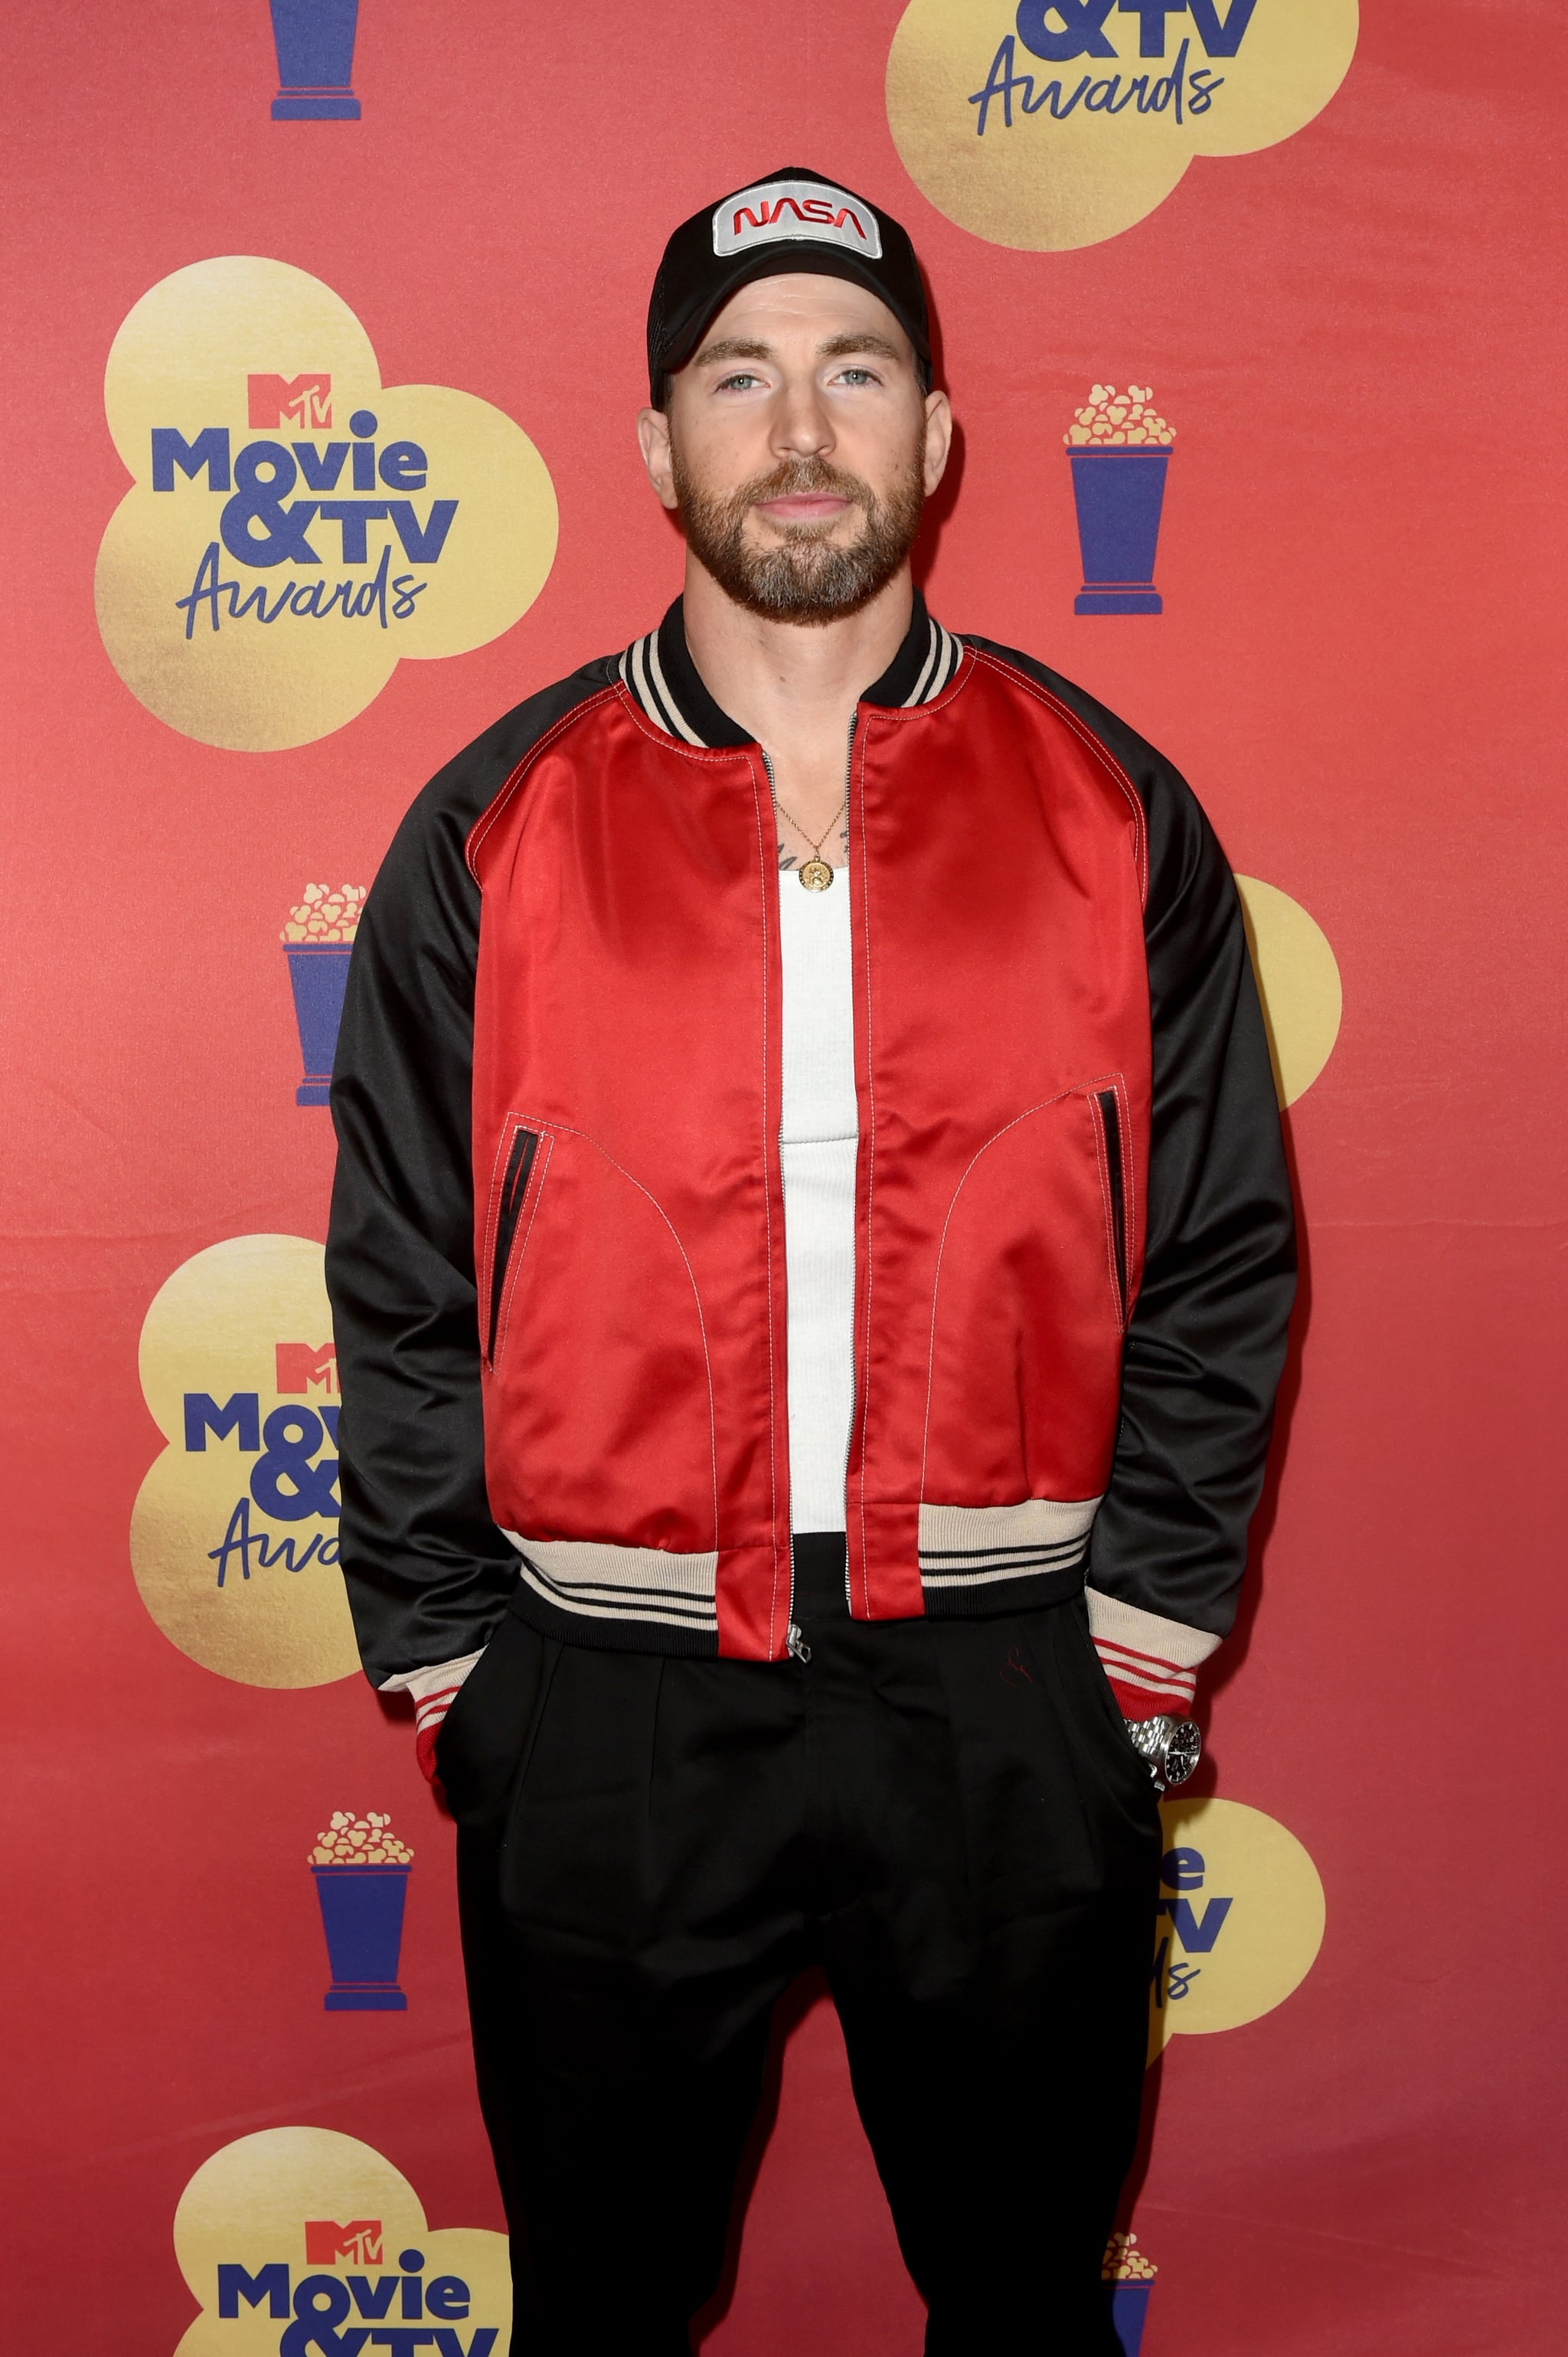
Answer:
x=484 y=1739
x=1096 y=1713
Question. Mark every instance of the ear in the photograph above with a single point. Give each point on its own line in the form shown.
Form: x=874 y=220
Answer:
x=939 y=438
x=653 y=438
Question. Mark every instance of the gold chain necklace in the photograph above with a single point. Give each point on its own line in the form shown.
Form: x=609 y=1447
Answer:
x=815 y=875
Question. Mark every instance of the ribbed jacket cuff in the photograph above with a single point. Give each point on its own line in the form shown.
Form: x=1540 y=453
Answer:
x=1152 y=1663
x=435 y=1691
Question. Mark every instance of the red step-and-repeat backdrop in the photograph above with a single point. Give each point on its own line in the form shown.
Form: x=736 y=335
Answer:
x=324 y=343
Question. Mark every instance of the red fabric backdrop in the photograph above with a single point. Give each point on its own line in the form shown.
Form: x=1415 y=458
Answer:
x=1355 y=333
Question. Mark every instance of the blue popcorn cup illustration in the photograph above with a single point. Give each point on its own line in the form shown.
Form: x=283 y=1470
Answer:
x=318 y=972
x=1119 y=493
x=315 y=45
x=1127 y=2277
x=317 y=941
x=362 y=1914
x=1129 y=2314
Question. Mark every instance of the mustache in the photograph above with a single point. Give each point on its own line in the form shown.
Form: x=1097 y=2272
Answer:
x=794 y=476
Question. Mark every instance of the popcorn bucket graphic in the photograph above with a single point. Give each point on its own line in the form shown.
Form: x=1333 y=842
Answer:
x=1129 y=2312
x=1119 y=494
x=317 y=941
x=314 y=42
x=1128 y=2278
x=319 y=972
x=361 y=1881
x=1120 y=447
x=362 y=1914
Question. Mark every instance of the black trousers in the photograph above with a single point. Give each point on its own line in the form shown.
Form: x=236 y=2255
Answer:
x=946 y=1816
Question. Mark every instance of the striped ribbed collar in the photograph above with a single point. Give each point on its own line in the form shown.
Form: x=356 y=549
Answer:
x=660 y=673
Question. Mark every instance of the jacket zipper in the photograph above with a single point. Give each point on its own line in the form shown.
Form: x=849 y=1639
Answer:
x=773 y=784
x=794 y=1641
x=1111 y=1121
x=849 y=1439
x=514 y=1186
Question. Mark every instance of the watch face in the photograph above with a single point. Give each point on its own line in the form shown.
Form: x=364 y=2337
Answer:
x=1182 y=1751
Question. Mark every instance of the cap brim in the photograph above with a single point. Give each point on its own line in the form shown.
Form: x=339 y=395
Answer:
x=789 y=257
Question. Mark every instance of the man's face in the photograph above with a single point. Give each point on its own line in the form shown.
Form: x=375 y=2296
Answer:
x=797 y=447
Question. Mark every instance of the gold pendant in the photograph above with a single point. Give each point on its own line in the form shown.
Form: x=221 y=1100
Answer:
x=816 y=875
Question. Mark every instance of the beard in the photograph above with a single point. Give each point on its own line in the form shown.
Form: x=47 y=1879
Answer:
x=803 y=577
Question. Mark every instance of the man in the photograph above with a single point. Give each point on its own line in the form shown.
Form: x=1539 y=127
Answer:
x=811 y=1257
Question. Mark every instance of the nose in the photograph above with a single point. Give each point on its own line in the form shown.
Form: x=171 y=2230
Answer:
x=802 y=426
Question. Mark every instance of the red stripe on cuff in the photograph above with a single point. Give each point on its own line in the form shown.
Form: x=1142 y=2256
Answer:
x=429 y=1718
x=1143 y=1686
x=440 y=1704
x=1141 y=1664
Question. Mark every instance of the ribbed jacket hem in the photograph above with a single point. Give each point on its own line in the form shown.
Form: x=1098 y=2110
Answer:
x=609 y=1633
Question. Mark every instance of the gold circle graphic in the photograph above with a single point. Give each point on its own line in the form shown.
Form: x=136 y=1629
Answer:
x=294 y=635
x=1298 y=982
x=1048 y=152
x=310 y=2201
x=1240 y=1920
x=250 y=1590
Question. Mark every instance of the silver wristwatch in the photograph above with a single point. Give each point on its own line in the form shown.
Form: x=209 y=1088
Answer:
x=1172 y=1747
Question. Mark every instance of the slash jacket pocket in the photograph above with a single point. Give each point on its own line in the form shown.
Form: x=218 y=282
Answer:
x=598 y=1394
x=1030 y=1298
x=518 y=1160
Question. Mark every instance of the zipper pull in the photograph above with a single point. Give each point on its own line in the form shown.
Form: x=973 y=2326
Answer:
x=794 y=1642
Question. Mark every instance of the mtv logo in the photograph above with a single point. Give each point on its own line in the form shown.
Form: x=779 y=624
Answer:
x=303 y=1366
x=359 y=2242
x=302 y=401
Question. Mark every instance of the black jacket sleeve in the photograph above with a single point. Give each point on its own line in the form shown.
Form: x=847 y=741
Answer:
x=427 y=1572
x=1205 y=1341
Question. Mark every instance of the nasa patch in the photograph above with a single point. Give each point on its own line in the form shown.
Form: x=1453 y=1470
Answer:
x=791 y=208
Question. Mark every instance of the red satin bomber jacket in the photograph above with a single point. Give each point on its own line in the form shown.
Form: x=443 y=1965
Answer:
x=556 y=1256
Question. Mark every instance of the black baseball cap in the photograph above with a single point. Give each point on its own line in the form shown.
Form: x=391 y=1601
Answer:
x=793 y=220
